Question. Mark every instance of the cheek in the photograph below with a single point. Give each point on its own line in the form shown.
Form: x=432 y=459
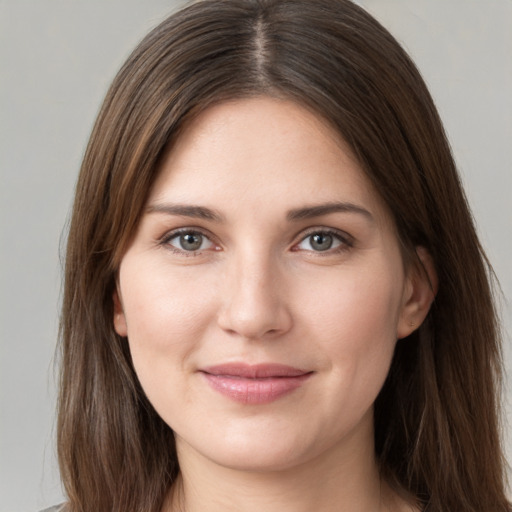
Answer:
x=363 y=305
x=354 y=321
x=166 y=315
x=163 y=306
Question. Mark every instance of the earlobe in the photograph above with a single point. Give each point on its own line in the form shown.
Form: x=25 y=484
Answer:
x=119 y=316
x=419 y=293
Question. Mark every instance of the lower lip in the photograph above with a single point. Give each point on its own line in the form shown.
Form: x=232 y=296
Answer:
x=255 y=390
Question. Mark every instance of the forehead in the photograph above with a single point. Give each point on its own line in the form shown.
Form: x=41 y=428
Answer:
x=262 y=152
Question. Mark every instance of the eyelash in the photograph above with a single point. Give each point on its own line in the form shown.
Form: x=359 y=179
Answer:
x=346 y=242
x=166 y=239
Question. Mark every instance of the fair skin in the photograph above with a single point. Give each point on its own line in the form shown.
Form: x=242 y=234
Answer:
x=263 y=243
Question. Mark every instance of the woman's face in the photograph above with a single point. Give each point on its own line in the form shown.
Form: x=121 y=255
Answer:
x=264 y=291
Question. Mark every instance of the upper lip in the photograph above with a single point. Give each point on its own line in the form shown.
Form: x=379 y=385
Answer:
x=254 y=371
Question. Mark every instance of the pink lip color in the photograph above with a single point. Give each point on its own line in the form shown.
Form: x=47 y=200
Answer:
x=254 y=384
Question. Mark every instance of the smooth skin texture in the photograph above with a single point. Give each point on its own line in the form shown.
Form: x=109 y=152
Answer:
x=264 y=242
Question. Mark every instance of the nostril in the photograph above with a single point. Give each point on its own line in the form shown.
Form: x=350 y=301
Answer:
x=252 y=306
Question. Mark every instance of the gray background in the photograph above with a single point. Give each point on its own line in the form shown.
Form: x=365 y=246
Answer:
x=57 y=59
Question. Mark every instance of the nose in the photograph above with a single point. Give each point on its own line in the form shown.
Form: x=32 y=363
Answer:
x=254 y=305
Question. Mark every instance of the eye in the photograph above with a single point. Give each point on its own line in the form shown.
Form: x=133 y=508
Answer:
x=188 y=241
x=324 y=240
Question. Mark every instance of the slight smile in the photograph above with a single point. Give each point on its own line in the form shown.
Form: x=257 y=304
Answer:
x=254 y=384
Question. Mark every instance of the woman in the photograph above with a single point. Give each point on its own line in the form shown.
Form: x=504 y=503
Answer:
x=275 y=298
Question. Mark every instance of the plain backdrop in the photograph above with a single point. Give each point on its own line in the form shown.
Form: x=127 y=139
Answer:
x=57 y=58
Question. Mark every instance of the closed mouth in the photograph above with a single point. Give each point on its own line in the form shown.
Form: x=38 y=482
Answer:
x=254 y=384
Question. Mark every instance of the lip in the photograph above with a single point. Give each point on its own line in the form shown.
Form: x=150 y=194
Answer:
x=254 y=384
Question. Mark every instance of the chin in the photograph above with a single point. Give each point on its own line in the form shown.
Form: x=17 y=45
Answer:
x=259 y=449
x=265 y=459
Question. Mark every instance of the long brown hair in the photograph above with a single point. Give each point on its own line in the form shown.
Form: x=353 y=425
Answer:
x=436 y=419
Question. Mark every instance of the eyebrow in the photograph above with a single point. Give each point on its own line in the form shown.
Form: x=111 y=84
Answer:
x=324 y=209
x=307 y=212
x=197 y=212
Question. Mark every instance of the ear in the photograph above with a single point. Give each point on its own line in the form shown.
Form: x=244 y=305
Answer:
x=119 y=317
x=419 y=292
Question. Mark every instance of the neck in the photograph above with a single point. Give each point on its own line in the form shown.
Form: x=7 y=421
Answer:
x=344 y=479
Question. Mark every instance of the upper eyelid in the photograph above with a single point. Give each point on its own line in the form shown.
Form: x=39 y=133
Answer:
x=323 y=229
x=168 y=235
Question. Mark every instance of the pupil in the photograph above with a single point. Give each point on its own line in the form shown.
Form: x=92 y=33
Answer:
x=321 y=242
x=190 y=241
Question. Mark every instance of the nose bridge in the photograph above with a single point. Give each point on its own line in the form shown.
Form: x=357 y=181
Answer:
x=255 y=304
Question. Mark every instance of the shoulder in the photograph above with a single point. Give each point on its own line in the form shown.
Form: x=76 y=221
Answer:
x=55 y=508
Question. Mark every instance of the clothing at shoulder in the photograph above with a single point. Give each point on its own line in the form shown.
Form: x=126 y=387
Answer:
x=55 y=508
